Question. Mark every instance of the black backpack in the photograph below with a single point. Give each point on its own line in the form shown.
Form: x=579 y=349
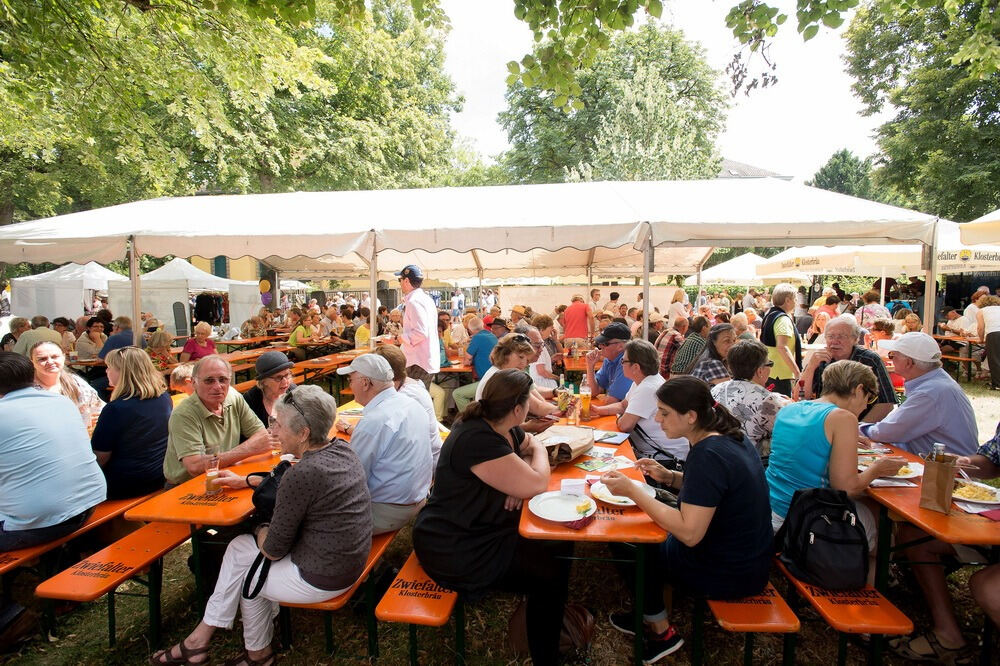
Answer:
x=822 y=540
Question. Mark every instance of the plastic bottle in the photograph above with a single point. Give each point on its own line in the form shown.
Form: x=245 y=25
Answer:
x=584 y=398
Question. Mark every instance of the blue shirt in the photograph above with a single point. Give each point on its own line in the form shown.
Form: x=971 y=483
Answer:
x=991 y=449
x=134 y=432
x=396 y=458
x=119 y=340
x=936 y=410
x=611 y=378
x=480 y=346
x=48 y=472
x=800 y=452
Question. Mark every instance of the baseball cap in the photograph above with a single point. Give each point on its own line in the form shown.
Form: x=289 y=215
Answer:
x=270 y=363
x=916 y=345
x=615 y=331
x=371 y=366
x=411 y=271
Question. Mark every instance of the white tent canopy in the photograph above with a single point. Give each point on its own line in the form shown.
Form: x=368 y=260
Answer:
x=985 y=229
x=63 y=292
x=741 y=271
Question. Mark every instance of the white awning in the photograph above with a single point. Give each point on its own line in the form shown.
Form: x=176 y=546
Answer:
x=985 y=229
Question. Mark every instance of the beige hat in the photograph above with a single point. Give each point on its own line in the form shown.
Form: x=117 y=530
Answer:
x=519 y=309
x=655 y=316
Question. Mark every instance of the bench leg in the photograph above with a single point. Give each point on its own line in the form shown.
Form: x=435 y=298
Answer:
x=285 y=627
x=111 y=617
x=841 y=648
x=413 y=643
x=875 y=651
x=748 y=649
x=788 y=650
x=199 y=584
x=697 y=633
x=460 y=632
x=370 y=623
x=155 y=589
x=328 y=631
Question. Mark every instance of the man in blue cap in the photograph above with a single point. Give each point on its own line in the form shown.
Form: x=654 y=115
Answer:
x=420 y=336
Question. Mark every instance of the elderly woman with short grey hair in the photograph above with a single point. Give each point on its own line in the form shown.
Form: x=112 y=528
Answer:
x=317 y=541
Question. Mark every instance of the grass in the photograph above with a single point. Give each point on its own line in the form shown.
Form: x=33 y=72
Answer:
x=82 y=633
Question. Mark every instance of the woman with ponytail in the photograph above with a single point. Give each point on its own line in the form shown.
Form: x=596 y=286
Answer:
x=720 y=541
x=466 y=535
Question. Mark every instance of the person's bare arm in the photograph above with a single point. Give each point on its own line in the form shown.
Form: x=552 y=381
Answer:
x=514 y=476
x=841 y=428
x=259 y=442
x=781 y=341
x=980 y=326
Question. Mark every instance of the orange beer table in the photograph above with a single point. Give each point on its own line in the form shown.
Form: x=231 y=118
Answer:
x=612 y=523
x=957 y=527
x=188 y=503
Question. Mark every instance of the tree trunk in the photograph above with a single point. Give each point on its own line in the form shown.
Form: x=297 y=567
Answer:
x=6 y=208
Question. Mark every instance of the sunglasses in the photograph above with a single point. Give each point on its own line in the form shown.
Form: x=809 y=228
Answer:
x=290 y=399
x=520 y=337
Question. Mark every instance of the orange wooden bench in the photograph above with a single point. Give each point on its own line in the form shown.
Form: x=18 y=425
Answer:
x=414 y=599
x=104 y=571
x=960 y=360
x=863 y=611
x=380 y=543
x=102 y=513
x=765 y=613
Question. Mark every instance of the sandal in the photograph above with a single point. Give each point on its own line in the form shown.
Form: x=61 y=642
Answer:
x=165 y=658
x=244 y=658
x=940 y=654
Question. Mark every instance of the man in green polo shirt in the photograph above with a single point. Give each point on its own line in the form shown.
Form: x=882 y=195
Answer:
x=211 y=421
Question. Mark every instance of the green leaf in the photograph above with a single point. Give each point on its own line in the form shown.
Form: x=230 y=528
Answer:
x=513 y=67
x=833 y=20
x=655 y=9
x=809 y=32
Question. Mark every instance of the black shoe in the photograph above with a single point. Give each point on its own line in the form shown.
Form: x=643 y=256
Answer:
x=657 y=647
x=623 y=622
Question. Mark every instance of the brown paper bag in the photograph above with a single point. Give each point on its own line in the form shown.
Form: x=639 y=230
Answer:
x=937 y=484
x=567 y=442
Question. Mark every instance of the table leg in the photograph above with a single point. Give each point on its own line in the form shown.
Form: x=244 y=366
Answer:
x=199 y=584
x=640 y=599
x=986 y=654
x=884 y=545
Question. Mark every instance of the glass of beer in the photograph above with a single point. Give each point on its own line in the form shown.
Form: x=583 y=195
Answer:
x=212 y=486
x=275 y=442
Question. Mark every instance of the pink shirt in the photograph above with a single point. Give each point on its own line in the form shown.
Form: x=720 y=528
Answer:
x=575 y=318
x=420 y=335
x=196 y=350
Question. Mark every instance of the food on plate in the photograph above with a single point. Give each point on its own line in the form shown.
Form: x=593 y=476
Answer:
x=968 y=491
x=904 y=470
x=583 y=507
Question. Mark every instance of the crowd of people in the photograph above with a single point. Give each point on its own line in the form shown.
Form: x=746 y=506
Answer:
x=734 y=403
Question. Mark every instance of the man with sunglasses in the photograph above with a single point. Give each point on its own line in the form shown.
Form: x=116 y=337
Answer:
x=841 y=336
x=610 y=379
x=212 y=421
x=936 y=408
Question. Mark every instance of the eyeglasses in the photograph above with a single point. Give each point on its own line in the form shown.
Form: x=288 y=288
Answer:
x=290 y=399
x=872 y=396
x=520 y=337
x=767 y=364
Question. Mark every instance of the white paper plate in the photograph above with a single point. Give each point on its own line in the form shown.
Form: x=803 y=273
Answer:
x=560 y=508
x=916 y=469
x=601 y=492
x=993 y=502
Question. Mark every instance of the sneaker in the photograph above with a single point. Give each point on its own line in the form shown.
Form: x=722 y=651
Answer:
x=657 y=647
x=623 y=622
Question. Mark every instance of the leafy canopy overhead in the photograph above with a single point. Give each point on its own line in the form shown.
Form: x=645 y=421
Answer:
x=939 y=150
x=652 y=109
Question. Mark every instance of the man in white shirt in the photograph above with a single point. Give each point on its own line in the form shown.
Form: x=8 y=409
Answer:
x=395 y=455
x=420 y=334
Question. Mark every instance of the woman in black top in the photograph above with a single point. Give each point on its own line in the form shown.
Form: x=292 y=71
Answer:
x=130 y=438
x=466 y=535
x=720 y=541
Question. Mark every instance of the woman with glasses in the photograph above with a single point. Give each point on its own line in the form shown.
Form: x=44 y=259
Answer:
x=513 y=352
x=51 y=375
x=199 y=346
x=91 y=342
x=815 y=444
x=274 y=378
x=712 y=365
x=317 y=541
x=130 y=438
x=746 y=396
x=636 y=413
x=466 y=535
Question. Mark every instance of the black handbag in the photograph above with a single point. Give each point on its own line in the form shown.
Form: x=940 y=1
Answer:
x=264 y=497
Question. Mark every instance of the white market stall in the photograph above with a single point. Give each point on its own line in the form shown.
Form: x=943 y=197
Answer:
x=741 y=271
x=64 y=292
x=985 y=229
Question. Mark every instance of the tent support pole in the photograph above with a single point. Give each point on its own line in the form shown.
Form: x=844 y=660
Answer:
x=133 y=276
x=881 y=296
x=929 y=264
x=373 y=299
x=647 y=267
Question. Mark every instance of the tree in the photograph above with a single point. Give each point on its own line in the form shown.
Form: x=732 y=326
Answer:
x=211 y=100
x=939 y=151
x=649 y=102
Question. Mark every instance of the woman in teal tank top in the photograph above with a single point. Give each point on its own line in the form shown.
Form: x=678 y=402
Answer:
x=814 y=444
